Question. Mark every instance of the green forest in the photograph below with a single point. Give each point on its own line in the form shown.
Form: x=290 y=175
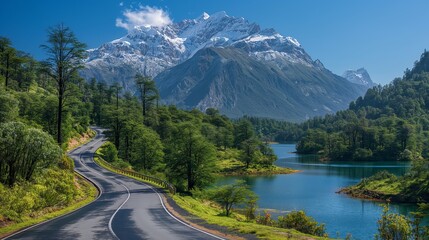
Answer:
x=388 y=123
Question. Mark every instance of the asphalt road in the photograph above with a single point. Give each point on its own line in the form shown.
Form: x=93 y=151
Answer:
x=126 y=209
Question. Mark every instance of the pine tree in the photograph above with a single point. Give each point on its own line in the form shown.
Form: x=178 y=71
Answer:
x=65 y=54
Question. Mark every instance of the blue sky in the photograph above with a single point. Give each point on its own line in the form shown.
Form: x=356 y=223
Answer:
x=384 y=36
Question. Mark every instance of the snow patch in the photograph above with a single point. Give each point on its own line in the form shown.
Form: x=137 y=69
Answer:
x=205 y=16
x=293 y=41
x=258 y=38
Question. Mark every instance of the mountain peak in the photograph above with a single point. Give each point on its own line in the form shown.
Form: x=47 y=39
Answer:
x=204 y=16
x=293 y=41
x=359 y=76
x=219 y=14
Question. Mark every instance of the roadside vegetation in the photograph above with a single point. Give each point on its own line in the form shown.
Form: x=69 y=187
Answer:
x=38 y=105
x=243 y=218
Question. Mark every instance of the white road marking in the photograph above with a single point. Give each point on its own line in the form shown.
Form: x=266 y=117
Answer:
x=180 y=221
x=119 y=208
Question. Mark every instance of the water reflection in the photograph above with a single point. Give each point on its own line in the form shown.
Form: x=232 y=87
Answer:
x=314 y=190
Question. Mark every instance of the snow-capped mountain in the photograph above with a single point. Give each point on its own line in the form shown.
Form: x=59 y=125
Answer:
x=360 y=76
x=226 y=63
x=150 y=50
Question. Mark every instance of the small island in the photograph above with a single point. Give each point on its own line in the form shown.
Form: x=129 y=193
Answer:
x=230 y=165
x=387 y=187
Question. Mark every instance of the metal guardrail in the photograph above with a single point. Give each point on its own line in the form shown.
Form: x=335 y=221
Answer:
x=144 y=177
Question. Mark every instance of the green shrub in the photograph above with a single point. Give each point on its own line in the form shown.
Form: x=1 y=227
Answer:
x=299 y=221
x=53 y=187
x=109 y=152
x=122 y=164
x=229 y=196
x=265 y=219
x=66 y=163
x=393 y=226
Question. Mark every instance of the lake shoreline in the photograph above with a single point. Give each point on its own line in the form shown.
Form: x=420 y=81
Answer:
x=260 y=172
x=355 y=191
x=314 y=188
x=366 y=195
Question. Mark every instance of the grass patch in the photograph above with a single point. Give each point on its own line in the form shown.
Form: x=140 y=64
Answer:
x=212 y=213
x=381 y=186
x=229 y=164
x=385 y=186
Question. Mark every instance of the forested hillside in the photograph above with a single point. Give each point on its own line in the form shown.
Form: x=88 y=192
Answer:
x=388 y=123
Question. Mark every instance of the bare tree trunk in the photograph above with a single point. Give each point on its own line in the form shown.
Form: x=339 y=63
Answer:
x=60 y=107
x=59 y=119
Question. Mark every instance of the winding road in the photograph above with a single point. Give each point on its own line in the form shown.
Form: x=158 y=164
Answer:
x=125 y=209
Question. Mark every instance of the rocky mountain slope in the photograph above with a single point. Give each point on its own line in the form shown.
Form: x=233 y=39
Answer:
x=235 y=83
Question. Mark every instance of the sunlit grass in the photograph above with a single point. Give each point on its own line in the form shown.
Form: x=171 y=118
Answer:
x=211 y=213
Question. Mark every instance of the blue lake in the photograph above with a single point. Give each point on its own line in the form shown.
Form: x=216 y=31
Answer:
x=314 y=190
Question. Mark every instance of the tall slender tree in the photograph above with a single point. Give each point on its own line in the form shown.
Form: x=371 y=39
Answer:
x=116 y=88
x=148 y=92
x=65 y=54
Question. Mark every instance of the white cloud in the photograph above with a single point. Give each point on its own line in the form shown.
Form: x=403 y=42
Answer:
x=121 y=4
x=144 y=16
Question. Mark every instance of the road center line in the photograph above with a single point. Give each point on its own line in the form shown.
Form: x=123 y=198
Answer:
x=119 y=208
